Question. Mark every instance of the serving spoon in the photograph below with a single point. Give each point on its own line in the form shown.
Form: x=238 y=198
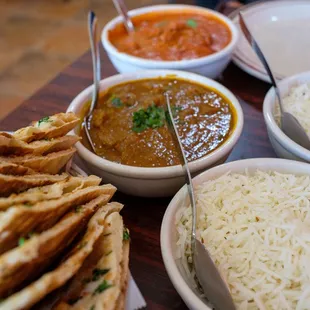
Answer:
x=209 y=278
x=289 y=123
x=122 y=11
x=94 y=47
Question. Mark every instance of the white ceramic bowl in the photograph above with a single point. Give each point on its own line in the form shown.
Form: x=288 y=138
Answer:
x=168 y=234
x=282 y=144
x=153 y=182
x=210 y=66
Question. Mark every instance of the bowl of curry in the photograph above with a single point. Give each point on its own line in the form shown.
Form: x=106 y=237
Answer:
x=134 y=147
x=179 y=37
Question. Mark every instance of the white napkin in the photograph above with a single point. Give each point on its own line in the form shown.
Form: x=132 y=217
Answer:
x=134 y=299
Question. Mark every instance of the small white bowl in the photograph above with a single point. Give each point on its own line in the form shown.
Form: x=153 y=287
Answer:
x=168 y=233
x=210 y=66
x=282 y=144
x=153 y=182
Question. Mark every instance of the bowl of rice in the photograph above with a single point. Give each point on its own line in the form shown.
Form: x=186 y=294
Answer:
x=295 y=92
x=254 y=218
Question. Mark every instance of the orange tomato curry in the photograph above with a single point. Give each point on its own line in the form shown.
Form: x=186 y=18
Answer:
x=129 y=124
x=172 y=36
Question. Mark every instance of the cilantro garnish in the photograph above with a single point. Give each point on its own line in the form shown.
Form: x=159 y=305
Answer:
x=152 y=117
x=78 y=209
x=44 y=120
x=117 y=102
x=21 y=241
x=92 y=307
x=126 y=235
x=97 y=273
x=102 y=287
x=191 y=23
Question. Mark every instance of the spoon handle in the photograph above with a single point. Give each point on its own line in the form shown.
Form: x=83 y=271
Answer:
x=261 y=57
x=122 y=10
x=94 y=46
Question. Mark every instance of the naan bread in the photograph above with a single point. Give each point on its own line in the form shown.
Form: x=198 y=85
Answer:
x=12 y=146
x=102 y=280
x=51 y=163
x=15 y=184
x=21 y=220
x=50 y=281
x=48 y=192
x=26 y=261
x=48 y=127
x=13 y=169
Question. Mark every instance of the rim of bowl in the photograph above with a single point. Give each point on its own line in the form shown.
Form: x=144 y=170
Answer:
x=158 y=172
x=281 y=137
x=168 y=221
x=162 y=64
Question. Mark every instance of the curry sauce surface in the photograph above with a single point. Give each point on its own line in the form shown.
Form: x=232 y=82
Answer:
x=204 y=120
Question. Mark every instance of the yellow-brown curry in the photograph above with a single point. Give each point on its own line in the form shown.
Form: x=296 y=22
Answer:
x=129 y=124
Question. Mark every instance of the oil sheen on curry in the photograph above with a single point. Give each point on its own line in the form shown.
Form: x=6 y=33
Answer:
x=172 y=36
x=129 y=124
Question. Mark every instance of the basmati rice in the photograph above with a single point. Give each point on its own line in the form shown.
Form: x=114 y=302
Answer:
x=257 y=229
x=297 y=102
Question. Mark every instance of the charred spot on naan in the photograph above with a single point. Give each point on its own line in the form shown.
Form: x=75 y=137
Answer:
x=48 y=127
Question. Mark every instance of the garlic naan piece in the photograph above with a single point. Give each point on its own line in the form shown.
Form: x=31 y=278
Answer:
x=101 y=282
x=12 y=146
x=51 y=163
x=26 y=261
x=15 y=184
x=48 y=127
x=54 y=279
x=48 y=192
x=19 y=221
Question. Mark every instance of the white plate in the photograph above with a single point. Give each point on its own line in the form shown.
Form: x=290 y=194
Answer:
x=282 y=29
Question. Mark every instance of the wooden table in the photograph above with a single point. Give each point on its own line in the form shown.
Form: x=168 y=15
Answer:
x=144 y=216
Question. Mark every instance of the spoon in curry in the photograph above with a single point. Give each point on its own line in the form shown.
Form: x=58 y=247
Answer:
x=209 y=278
x=122 y=11
x=289 y=124
x=92 y=31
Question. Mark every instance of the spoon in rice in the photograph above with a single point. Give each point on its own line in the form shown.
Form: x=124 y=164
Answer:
x=92 y=32
x=209 y=278
x=289 y=123
x=122 y=11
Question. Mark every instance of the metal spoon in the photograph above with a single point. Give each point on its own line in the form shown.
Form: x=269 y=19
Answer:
x=207 y=273
x=92 y=32
x=289 y=124
x=122 y=10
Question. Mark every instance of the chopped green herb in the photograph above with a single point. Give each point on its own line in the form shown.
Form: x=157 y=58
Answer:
x=78 y=209
x=92 y=307
x=81 y=245
x=117 y=102
x=152 y=117
x=21 y=241
x=102 y=287
x=126 y=235
x=45 y=119
x=97 y=273
x=191 y=23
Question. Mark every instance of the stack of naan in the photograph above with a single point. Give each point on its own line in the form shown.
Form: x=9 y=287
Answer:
x=62 y=244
